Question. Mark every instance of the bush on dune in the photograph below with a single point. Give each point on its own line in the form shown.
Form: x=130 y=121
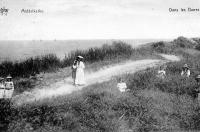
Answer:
x=183 y=42
x=197 y=40
x=106 y=52
x=161 y=47
x=30 y=66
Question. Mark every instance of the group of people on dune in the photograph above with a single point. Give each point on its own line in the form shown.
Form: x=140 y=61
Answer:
x=79 y=77
x=185 y=71
x=78 y=71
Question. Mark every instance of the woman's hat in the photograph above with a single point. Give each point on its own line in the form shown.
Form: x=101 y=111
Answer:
x=8 y=77
x=81 y=57
x=185 y=66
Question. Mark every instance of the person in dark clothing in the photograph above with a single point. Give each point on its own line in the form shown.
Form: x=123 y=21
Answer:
x=74 y=69
x=196 y=91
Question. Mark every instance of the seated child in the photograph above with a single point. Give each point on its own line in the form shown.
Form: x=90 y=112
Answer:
x=9 y=87
x=121 y=86
x=161 y=72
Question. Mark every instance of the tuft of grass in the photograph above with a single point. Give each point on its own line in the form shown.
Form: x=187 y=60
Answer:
x=30 y=66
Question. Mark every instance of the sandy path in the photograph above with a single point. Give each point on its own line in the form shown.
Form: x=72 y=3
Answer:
x=66 y=87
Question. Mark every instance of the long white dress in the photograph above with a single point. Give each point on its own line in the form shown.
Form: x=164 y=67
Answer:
x=80 y=77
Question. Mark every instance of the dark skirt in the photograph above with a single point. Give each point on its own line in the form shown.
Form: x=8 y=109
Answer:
x=73 y=73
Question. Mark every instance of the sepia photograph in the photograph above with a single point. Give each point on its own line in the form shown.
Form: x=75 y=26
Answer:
x=99 y=65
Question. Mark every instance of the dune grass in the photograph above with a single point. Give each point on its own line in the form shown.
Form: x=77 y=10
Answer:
x=51 y=62
x=26 y=73
x=100 y=107
x=152 y=104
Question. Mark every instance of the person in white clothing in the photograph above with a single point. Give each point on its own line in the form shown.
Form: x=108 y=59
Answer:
x=9 y=87
x=80 y=77
x=161 y=72
x=2 y=88
x=185 y=71
x=121 y=85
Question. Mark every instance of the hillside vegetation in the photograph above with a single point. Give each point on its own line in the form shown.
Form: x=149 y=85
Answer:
x=26 y=72
x=152 y=104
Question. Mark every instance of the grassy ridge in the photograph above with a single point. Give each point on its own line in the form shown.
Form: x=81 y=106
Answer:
x=25 y=72
x=152 y=104
x=175 y=95
x=94 y=109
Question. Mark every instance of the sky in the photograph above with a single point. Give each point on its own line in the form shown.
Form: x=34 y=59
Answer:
x=99 y=19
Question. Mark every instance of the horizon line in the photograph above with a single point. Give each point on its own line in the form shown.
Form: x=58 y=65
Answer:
x=87 y=39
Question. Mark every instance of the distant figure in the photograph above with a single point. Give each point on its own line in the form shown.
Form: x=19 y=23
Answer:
x=74 y=70
x=9 y=87
x=197 y=90
x=80 y=77
x=185 y=71
x=161 y=72
x=121 y=85
x=2 y=88
x=198 y=79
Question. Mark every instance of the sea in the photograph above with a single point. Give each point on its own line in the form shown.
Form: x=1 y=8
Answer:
x=20 y=50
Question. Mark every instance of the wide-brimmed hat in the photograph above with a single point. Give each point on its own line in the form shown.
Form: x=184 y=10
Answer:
x=81 y=57
x=8 y=77
x=185 y=66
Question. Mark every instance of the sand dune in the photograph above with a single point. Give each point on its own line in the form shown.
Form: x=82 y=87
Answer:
x=65 y=87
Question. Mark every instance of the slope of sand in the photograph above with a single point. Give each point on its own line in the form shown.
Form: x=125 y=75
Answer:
x=66 y=87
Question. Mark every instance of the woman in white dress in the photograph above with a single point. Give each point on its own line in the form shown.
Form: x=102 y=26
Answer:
x=80 y=77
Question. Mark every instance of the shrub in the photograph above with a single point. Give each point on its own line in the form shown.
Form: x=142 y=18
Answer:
x=183 y=42
x=162 y=47
x=197 y=40
x=30 y=66
x=116 y=50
